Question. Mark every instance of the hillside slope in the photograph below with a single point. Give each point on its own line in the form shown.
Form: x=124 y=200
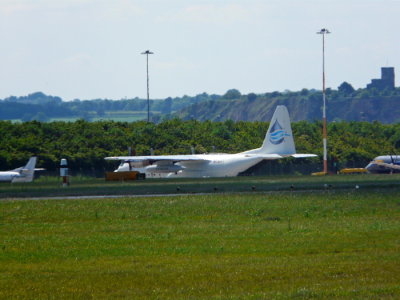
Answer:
x=384 y=109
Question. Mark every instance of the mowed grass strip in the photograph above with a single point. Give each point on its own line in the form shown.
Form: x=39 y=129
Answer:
x=86 y=186
x=289 y=245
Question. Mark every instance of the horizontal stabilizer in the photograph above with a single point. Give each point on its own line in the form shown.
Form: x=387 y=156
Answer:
x=300 y=155
x=278 y=156
x=265 y=156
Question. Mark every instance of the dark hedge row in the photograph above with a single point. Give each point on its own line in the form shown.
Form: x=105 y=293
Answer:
x=85 y=144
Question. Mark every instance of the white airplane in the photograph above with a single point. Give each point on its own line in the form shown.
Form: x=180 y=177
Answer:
x=384 y=164
x=22 y=174
x=278 y=143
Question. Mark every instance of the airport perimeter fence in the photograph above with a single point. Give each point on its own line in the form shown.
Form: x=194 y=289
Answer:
x=299 y=167
x=264 y=168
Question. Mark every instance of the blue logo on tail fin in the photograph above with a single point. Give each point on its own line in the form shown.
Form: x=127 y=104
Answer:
x=277 y=134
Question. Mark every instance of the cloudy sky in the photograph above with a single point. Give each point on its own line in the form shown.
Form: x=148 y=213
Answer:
x=90 y=49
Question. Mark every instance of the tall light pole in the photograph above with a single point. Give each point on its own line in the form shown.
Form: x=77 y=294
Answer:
x=147 y=52
x=324 y=31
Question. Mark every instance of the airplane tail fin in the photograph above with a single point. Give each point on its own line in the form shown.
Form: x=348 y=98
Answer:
x=279 y=137
x=27 y=172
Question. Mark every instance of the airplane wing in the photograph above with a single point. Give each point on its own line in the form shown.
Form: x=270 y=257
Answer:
x=154 y=158
x=389 y=166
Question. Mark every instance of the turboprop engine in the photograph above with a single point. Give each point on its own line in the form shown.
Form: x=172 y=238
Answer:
x=126 y=166
x=164 y=168
x=139 y=164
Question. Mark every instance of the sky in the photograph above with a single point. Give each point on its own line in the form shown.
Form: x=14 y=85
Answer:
x=90 y=49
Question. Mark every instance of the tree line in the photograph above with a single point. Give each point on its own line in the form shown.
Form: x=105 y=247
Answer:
x=41 y=107
x=361 y=104
x=86 y=144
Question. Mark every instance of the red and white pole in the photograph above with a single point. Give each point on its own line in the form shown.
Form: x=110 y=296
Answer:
x=324 y=129
x=64 y=172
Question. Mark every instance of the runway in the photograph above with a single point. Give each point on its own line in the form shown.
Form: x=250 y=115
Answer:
x=98 y=189
x=94 y=197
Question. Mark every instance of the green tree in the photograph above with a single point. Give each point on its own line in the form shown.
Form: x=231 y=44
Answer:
x=167 y=106
x=304 y=92
x=251 y=97
x=232 y=94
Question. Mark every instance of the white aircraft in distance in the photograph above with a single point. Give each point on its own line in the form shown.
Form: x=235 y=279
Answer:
x=22 y=174
x=278 y=143
x=384 y=164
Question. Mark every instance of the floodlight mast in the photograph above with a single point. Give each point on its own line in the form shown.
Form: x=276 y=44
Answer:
x=324 y=31
x=147 y=52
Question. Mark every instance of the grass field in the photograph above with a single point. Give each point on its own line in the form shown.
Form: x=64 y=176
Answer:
x=118 y=116
x=324 y=244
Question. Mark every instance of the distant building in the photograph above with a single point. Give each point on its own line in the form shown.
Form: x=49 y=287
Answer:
x=386 y=81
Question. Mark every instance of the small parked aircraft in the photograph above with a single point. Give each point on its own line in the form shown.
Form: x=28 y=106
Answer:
x=22 y=174
x=278 y=143
x=384 y=164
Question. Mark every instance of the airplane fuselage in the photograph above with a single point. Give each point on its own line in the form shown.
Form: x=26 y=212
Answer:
x=211 y=165
x=22 y=174
x=384 y=164
x=220 y=165
x=8 y=176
